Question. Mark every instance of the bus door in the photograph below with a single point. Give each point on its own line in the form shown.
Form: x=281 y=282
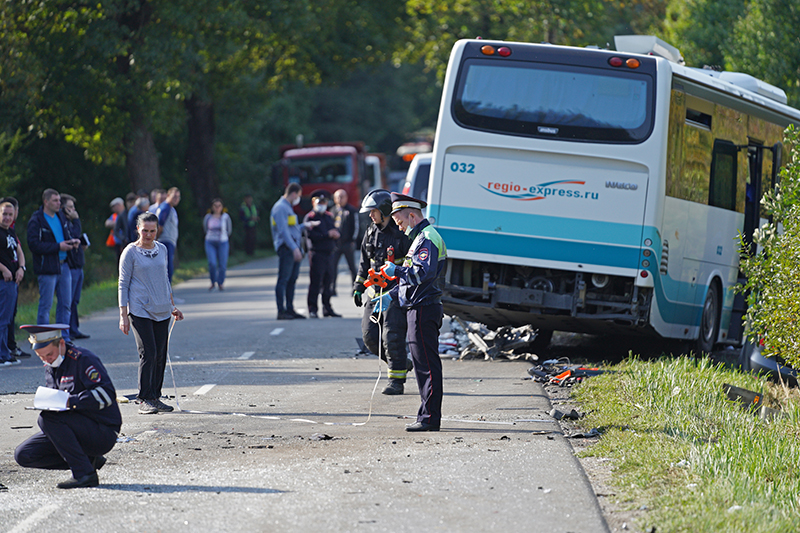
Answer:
x=763 y=164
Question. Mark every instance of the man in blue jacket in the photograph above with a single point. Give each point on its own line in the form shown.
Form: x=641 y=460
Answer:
x=419 y=292
x=86 y=427
x=50 y=240
x=286 y=237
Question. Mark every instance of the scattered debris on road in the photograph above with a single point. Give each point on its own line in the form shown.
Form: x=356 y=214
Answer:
x=558 y=415
x=750 y=401
x=472 y=340
x=592 y=433
x=560 y=372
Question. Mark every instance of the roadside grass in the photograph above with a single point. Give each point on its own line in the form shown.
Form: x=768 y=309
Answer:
x=103 y=294
x=697 y=461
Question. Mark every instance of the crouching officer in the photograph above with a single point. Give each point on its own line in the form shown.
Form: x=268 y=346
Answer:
x=419 y=293
x=77 y=437
x=382 y=242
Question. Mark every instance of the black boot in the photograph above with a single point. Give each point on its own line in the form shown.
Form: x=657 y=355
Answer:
x=394 y=388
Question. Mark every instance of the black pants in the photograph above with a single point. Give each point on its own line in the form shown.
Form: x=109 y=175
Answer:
x=424 y=324
x=347 y=250
x=319 y=265
x=69 y=439
x=151 y=342
x=11 y=341
x=392 y=330
x=249 y=239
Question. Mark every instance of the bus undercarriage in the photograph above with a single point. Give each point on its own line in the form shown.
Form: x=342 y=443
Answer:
x=549 y=299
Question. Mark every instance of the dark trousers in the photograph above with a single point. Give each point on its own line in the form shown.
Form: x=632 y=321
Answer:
x=392 y=331
x=68 y=439
x=319 y=265
x=348 y=251
x=8 y=300
x=151 y=342
x=249 y=240
x=424 y=324
x=11 y=340
x=288 y=270
x=77 y=288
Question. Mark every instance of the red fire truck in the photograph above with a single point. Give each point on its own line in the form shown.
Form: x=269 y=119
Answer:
x=329 y=166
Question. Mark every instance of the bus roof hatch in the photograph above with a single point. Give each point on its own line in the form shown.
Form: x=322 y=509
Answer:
x=649 y=45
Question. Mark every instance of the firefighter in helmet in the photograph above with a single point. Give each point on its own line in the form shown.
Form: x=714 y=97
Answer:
x=382 y=242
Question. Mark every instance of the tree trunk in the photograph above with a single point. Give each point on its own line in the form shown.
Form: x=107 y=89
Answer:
x=200 y=169
x=141 y=163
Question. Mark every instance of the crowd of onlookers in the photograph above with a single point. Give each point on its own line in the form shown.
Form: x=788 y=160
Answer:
x=57 y=243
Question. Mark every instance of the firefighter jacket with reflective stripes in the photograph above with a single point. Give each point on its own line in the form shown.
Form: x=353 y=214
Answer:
x=421 y=276
x=91 y=392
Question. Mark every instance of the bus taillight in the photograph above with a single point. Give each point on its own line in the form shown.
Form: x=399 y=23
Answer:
x=615 y=61
x=504 y=51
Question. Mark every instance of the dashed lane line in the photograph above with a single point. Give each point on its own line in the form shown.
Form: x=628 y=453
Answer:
x=205 y=388
x=37 y=516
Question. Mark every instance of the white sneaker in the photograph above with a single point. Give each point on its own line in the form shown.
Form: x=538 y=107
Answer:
x=12 y=362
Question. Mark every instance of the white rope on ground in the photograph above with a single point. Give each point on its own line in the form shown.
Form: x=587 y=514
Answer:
x=171 y=371
x=375 y=320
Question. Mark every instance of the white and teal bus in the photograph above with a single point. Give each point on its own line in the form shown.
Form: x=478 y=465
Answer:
x=600 y=191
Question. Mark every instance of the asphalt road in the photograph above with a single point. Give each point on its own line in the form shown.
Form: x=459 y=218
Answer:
x=278 y=430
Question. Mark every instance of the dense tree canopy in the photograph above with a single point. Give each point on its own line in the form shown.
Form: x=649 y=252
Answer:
x=199 y=93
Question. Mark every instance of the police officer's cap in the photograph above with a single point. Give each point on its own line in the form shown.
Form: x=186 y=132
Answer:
x=40 y=335
x=321 y=193
x=402 y=201
x=379 y=199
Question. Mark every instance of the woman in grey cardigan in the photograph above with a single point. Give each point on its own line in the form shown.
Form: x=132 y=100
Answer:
x=145 y=305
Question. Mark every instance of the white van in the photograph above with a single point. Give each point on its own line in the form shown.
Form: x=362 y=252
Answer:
x=416 y=184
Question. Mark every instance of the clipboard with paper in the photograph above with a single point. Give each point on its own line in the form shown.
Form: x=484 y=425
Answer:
x=47 y=399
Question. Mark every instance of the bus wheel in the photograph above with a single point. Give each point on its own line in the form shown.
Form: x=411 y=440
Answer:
x=542 y=340
x=709 y=323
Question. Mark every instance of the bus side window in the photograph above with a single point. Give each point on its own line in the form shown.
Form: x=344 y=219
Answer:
x=722 y=188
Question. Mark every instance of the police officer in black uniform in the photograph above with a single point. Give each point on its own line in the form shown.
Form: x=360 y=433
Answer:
x=77 y=437
x=321 y=236
x=382 y=241
x=419 y=293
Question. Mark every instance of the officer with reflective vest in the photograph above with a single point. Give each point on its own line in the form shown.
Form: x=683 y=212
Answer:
x=86 y=427
x=382 y=242
x=419 y=292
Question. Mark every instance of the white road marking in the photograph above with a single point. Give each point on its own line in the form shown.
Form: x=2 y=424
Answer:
x=38 y=515
x=276 y=331
x=205 y=388
x=246 y=355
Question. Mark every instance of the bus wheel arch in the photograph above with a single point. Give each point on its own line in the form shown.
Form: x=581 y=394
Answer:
x=708 y=331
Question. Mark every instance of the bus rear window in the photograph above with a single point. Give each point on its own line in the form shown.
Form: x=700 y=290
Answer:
x=554 y=101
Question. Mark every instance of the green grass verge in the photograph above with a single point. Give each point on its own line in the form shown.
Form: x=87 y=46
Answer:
x=103 y=294
x=697 y=461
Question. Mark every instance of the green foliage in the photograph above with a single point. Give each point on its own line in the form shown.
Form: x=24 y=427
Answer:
x=435 y=25
x=765 y=45
x=694 y=460
x=773 y=279
x=701 y=29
